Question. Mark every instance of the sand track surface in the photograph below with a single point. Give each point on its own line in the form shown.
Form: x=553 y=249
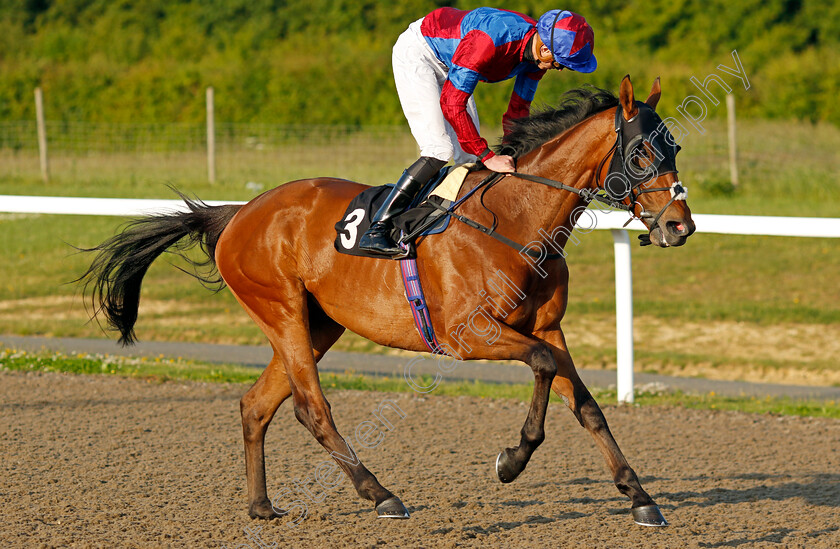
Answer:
x=100 y=461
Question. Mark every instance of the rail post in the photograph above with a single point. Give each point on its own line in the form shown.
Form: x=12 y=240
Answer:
x=733 y=154
x=623 y=315
x=42 y=134
x=211 y=137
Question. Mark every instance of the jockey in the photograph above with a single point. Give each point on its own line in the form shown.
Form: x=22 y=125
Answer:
x=437 y=64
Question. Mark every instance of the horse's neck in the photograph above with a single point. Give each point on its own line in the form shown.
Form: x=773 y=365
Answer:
x=572 y=159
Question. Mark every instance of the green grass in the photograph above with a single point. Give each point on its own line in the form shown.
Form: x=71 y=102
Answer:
x=162 y=370
x=787 y=168
x=158 y=369
x=714 y=277
x=675 y=361
x=761 y=280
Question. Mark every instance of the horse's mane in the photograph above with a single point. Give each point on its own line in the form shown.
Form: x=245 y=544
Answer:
x=528 y=133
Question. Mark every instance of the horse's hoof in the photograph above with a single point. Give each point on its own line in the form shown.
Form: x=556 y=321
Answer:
x=648 y=515
x=392 y=508
x=264 y=510
x=505 y=469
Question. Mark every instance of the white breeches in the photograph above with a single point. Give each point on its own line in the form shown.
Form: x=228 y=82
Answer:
x=419 y=76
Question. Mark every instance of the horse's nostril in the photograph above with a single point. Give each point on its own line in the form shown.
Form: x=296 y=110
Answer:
x=673 y=227
x=677 y=228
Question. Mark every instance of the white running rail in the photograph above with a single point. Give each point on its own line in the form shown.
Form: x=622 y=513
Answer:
x=815 y=227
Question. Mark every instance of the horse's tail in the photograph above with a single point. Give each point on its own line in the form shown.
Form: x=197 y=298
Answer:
x=114 y=278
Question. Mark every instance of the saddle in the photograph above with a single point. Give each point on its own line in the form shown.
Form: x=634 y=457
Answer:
x=420 y=219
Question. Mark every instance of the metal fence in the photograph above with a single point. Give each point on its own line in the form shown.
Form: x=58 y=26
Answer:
x=243 y=152
x=784 y=155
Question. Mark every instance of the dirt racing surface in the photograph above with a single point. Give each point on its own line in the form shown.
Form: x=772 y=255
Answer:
x=100 y=461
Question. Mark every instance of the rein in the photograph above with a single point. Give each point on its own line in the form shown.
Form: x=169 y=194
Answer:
x=641 y=128
x=586 y=194
x=488 y=182
x=618 y=166
x=485 y=184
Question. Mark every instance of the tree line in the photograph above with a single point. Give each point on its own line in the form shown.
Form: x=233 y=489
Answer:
x=328 y=61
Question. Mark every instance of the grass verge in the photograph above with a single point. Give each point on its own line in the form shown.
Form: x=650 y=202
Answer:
x=160 y=370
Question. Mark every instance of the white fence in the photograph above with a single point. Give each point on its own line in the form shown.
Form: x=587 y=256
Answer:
x=706 y=223
x=820 y=227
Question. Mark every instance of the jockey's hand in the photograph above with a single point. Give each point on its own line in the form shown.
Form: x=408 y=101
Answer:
x=501 y=163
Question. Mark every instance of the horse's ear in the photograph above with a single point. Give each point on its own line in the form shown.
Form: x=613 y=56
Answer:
x=655 y=94
x=627 y=99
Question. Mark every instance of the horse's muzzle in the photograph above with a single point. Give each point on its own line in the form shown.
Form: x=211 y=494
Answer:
x=672 y=232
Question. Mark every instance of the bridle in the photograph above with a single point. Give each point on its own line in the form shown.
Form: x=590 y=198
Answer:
x=625 y=182
x=621 y=189
x=643 y=134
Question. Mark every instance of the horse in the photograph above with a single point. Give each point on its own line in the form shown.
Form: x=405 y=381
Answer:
x=276 y=255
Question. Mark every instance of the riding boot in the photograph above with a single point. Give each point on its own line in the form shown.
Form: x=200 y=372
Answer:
x=377 y=239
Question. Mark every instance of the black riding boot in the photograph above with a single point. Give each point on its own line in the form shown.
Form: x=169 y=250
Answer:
x=377 y=239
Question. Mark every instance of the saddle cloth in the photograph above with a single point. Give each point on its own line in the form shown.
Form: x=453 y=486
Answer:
x=443 y=190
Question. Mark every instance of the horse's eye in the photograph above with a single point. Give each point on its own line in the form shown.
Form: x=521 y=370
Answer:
x=646 y=151
x=640 y=154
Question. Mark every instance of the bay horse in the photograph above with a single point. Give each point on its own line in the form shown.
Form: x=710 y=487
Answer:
x=276 y=255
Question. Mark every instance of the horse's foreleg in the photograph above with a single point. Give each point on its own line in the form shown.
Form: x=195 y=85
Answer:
x=512 y=461
x=258 y=406
x=568 y=385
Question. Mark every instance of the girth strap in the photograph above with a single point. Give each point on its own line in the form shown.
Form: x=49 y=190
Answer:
x=415 y=297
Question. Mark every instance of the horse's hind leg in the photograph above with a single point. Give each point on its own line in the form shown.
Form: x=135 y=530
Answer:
x=286 y=323
x=259 y=405
x=568 y=385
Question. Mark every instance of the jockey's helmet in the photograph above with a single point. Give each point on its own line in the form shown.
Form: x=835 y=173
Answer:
x=570 y=39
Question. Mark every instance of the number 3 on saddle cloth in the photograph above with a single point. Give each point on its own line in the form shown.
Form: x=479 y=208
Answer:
x=442 y=190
